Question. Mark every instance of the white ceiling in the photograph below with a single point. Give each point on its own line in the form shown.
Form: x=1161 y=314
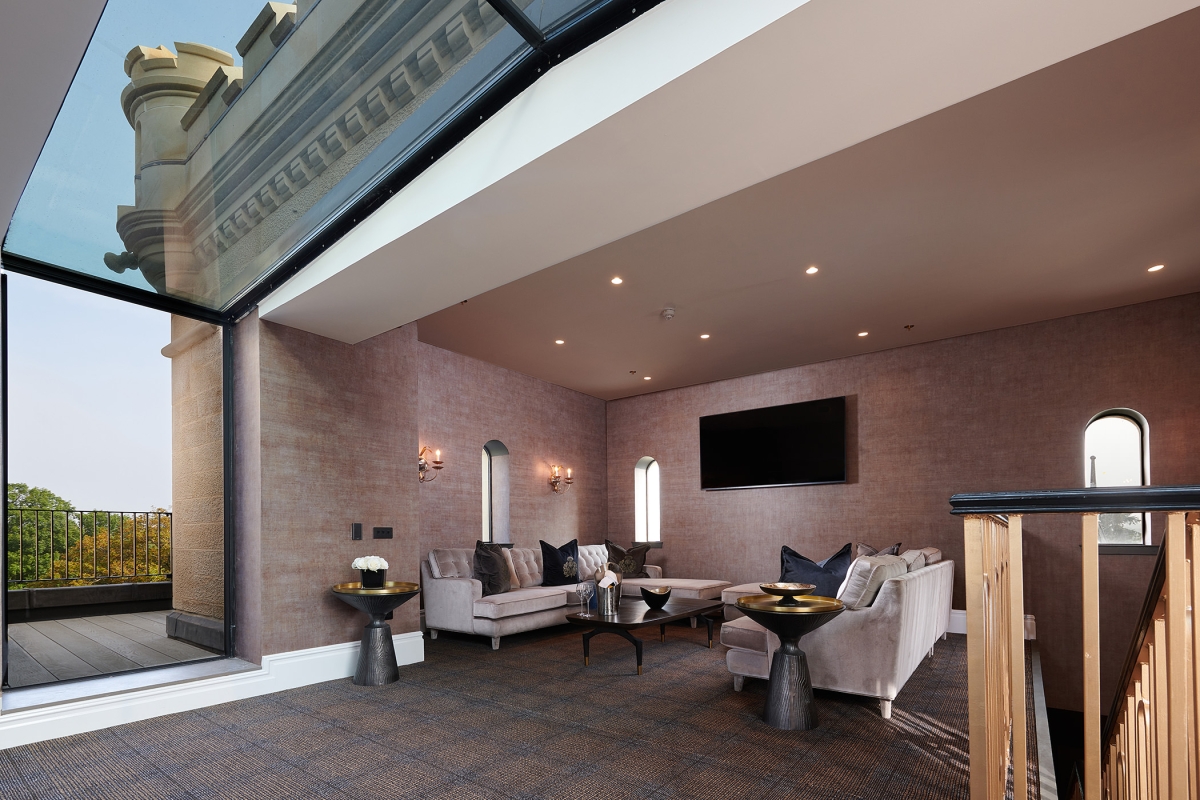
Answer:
x=694 y=101
x=41 y=44
x=1045 y=197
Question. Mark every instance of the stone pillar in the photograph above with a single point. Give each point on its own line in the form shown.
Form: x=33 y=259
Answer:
x=197 y=484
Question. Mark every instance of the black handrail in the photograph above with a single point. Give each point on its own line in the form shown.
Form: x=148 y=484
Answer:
x=47 y=546
x=1108 y=500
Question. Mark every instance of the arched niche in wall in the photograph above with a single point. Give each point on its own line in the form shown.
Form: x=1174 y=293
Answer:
x=496 y=485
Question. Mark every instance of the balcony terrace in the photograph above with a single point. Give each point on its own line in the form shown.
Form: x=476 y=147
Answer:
x=88 y=594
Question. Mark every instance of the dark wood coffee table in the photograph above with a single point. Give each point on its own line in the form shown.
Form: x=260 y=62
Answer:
x=635 y=614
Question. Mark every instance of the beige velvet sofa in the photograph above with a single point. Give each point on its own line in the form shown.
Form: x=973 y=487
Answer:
x=454 y=600
x=870 y=651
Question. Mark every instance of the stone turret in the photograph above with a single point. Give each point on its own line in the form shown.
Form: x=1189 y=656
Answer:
x=163 y=86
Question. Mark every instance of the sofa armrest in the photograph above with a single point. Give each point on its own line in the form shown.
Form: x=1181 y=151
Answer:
x=653 y=571
x=449 y=602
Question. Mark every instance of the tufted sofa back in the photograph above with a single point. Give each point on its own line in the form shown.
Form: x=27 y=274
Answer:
x=452 y=562
x=591 y=557
x=527 y=564
x=458 y=562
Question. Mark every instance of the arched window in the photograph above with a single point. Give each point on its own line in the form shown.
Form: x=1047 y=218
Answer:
x=1116 y=453
x=495 y=492
x=646 y=501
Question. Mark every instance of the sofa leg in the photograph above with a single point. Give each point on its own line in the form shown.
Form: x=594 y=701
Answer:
x=931 y=652
x=432 y=633
x=738 y=682
x=885 y=709
x=944 y=635
x=495 y=642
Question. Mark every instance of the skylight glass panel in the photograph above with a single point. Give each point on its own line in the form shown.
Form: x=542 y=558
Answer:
x=202 y=144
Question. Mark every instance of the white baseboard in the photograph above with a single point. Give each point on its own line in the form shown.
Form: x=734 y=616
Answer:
x=279 y=672
x=958 y=623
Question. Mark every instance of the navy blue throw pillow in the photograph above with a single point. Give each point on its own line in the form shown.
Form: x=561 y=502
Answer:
x=826 y=575
x=560 y=565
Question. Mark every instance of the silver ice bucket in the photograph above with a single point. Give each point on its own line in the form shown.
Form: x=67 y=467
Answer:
x=608 y=600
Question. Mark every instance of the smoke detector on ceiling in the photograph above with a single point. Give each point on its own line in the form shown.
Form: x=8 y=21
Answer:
x=668 y=314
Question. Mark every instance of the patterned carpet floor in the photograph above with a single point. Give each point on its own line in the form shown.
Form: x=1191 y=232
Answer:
x=527 y=721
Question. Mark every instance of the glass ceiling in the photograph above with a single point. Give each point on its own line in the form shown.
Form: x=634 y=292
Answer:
x=202 y=145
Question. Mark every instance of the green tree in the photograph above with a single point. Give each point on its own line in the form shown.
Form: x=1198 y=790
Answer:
x=51 y=544
x=22 y=495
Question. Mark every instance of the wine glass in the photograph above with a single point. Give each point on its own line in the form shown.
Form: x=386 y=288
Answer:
x=585 y=592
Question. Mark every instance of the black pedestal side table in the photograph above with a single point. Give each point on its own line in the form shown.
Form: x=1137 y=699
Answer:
x=790 y=705
x=377 y=657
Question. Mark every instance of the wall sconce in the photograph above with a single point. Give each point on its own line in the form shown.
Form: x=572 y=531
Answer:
x=424 y=466
x=557 y=482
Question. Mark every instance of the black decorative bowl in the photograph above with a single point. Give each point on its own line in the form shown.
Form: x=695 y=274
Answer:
x=656 y=598
x=788 y=591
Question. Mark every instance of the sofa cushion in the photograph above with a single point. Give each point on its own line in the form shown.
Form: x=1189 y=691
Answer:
x=932 y=555
x=491 y=568
x=520 y=601
x=746 y=634
x=688 y=588
x=730 y=594
x=452 y=562
x=560 y=565
x=826 y=575
x=527 y=562
x=631 y=561
x=867 y=550
x=865 y=577
x=915 y=559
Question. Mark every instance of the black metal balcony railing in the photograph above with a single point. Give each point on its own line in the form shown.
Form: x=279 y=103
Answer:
x=48 y=547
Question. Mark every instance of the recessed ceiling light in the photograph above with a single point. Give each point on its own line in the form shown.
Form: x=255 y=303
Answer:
x=812 y=270
x=704 y=336
x=1156 y=268
x=646 y=378
x=559 y=341
x=617 y=281
x=862 y=333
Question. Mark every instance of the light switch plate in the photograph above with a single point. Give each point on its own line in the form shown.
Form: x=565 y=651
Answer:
x=382 y=533
x=356 y=531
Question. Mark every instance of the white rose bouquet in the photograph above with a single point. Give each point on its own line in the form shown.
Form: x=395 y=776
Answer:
x=369 y=563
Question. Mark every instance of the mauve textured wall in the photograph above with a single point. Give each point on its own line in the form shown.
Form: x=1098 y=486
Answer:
x=326 y=436
x=1003 y=410
x=465 y=403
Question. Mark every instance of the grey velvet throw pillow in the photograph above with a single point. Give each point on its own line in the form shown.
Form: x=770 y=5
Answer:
x=491 y=568
x=632 y=561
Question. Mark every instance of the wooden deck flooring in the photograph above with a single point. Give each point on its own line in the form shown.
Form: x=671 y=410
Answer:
x=59 y=650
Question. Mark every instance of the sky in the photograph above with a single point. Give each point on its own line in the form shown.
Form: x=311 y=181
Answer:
x=89 y=390
x=68 y=212
x=89 y=394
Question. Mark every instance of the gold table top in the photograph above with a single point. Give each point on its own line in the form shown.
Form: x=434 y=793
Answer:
x=389 y=587
x=806 y=604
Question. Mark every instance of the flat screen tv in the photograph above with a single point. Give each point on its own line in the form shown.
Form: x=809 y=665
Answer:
x=792 y=445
